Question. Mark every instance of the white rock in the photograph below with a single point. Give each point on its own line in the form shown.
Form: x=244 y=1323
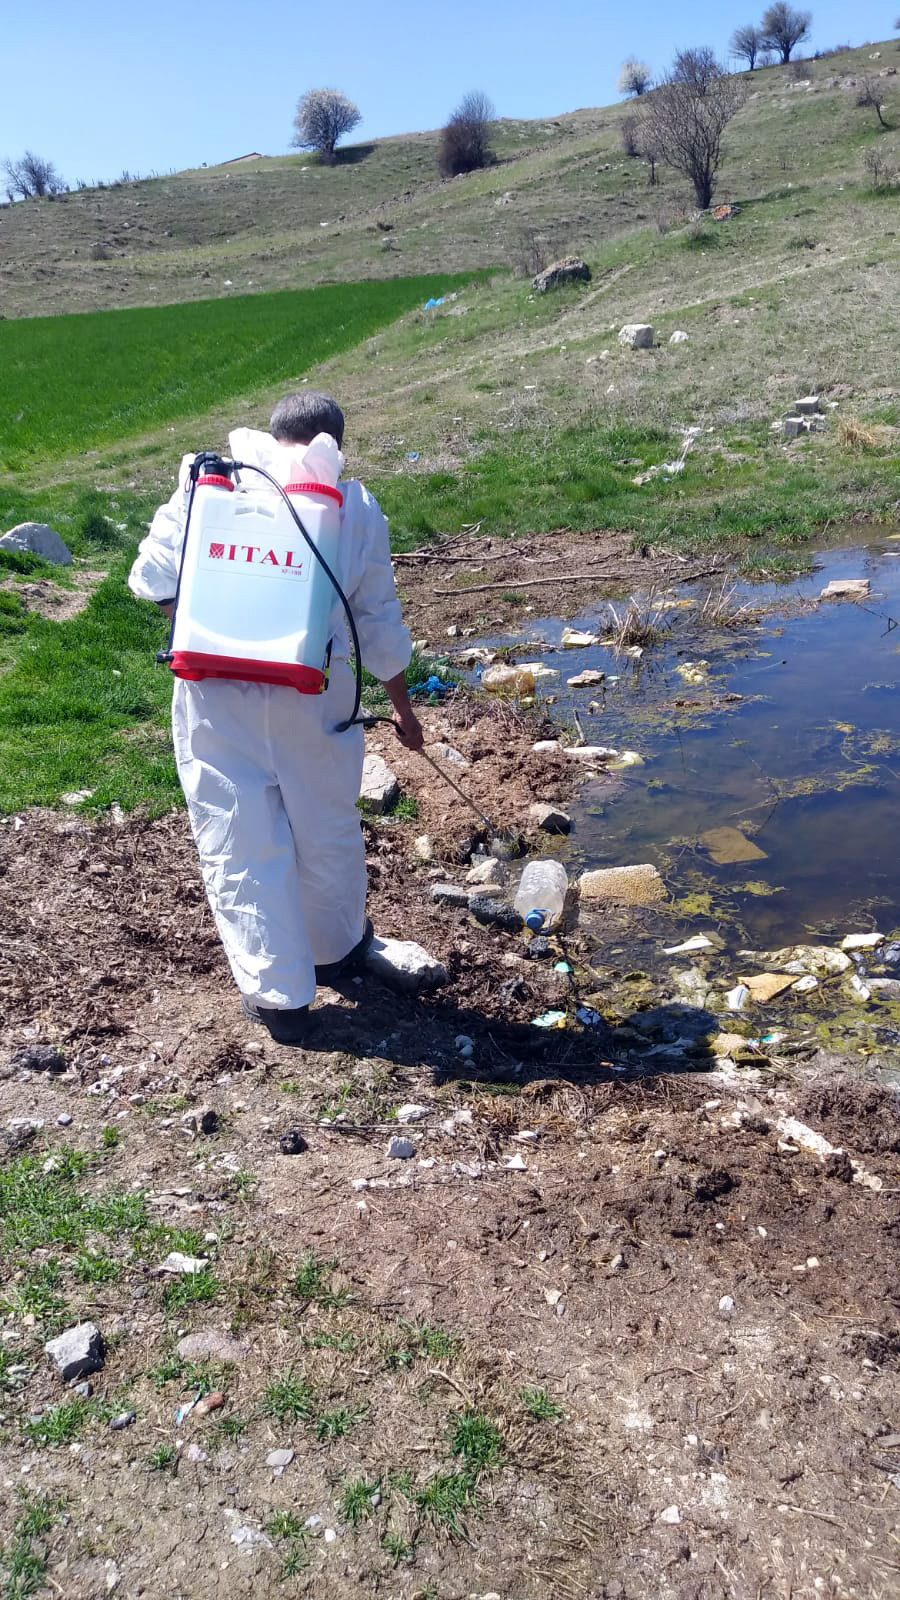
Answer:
x=515 y=1163
x=805 y=985
x=404 y=964
x=329 y=1536
x=671 y=1515
x=411 y=1113
x=77 y=1352
x=545 y=745
x=380 y=786
x=463 y=1042
x=845 y=589
x=551 y=819
x=678 y=337
x=279 y=1459
x=637 y=335
x=860 y=989
x=726 y=1305
x=586 y=680
x=38 y=540
x=188 y=1265
x=400 y=1149
x=446 y=752
x=195 y=1452
x=74 y=797
x=488 y=871
x=862 y=941
x=424 y=848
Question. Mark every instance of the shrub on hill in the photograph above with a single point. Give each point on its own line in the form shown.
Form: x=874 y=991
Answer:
x=465 y=141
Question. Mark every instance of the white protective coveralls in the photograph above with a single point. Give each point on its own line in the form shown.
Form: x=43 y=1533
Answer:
x=271 y=788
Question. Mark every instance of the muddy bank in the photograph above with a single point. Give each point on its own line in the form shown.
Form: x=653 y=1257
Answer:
x=490 y=584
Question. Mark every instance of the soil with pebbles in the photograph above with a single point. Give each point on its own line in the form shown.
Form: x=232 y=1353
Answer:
x=712 y=1307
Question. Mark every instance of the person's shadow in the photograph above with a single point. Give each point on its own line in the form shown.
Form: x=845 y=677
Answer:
x=423 y=1030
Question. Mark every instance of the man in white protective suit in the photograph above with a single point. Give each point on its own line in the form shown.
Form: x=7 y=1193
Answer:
x=271 y=787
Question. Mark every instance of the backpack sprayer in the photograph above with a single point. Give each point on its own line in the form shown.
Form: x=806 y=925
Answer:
x=252 y=604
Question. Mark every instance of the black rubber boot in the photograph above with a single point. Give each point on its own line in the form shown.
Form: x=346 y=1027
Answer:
x=285 y=1027
x=338 y=969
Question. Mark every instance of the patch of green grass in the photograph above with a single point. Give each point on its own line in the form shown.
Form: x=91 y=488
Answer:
x=91 y=1267
x=284 y=1525
x=162 y=1458
x=109 y=1138
x=477 y=1441
x=228 y=1428
x=72 y=382
x=65 y=1423
x=190 y=1289
x=539 y=1406
x=445 y=1498
x=289 y=1399
x=418 y=1341
x=356 y=1500
x=166 y=1370
x=404 y=809
x=397 y=1547
x=22 y=1566
x=344 y=1341
x=335 y=1424
x=37 y=1295
x=312 y=1282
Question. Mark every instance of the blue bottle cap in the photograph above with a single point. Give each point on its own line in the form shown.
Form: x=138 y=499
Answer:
x=535 y=920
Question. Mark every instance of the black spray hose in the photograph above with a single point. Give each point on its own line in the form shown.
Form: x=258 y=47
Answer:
x=354 y=720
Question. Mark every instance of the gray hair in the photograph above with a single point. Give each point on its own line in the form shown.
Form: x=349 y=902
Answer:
x=299 y=417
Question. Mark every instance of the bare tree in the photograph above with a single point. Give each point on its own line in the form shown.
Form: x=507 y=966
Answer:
x=697 y=67
x=868 y=93
x=649 y=149
x=635 y=77
x=631 y=127
x=688 y=116
x=32 y=178
x=465 y=140
x=747 y=44
x=322 y=117
x=783 y=27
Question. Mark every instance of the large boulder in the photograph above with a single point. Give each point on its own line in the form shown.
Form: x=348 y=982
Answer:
x=404 y=965
x=570 y=270
x=637 y=335
x=77 y=1352
x=35 y=538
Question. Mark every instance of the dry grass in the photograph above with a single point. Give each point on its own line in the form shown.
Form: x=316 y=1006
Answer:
x=644 y=622
x=860 y=436
x=720 y=609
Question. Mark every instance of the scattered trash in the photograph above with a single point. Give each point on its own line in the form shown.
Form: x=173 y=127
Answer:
x=588 y=1016
x=860 y=989
x=504 y=679
x=542 y=891
x=693 y=672
x=766 y=986
x=185 y=1409
x=549 y=1019
x=862 y=941
x=737 y=998
x=432 y=685
x=698 y=942
x=577 y=639
x=671 y=1515
x=515 y=1163
x=431 y=304
x=561 y=966
x=412 y=455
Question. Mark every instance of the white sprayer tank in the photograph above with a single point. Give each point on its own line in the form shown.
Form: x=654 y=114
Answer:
x=254 y=604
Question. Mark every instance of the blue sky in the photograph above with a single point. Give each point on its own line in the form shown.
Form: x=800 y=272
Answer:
x=104 y=85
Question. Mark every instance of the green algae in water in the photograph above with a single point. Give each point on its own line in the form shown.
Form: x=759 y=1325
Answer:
x=758 y=888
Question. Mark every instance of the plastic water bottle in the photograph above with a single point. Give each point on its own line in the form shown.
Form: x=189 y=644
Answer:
x=542 y=893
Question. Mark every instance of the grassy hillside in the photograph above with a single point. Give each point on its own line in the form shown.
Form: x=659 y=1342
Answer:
x=286 y=221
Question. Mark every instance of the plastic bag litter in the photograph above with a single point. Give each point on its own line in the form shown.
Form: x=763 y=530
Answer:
x=588 y=1016
x=549 y=1019
x=432 y=685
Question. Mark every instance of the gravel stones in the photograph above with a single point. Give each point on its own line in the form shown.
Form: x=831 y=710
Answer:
x=77 y=1352
x=550 y=819
x=181 y=1265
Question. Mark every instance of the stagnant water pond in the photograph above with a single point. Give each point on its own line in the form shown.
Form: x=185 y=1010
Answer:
x=793 y=738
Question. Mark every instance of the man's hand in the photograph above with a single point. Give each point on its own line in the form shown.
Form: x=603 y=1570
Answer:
x=406 y=724
x=409 y=729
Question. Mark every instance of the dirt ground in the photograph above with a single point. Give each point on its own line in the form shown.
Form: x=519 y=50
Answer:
x=674 y=1322
x=486 y=584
